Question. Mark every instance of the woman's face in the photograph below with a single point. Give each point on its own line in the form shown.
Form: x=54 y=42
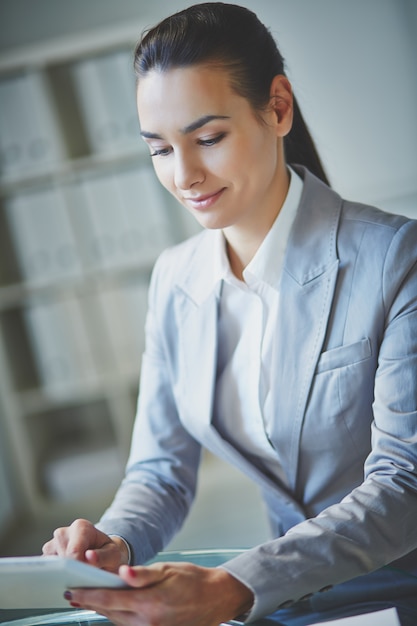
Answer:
x=209 y=149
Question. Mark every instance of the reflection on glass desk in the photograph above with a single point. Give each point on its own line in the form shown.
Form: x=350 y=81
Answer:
x=67 y=618
x=374 y=592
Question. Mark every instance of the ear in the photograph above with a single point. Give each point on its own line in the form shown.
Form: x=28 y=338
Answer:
x=282 y=104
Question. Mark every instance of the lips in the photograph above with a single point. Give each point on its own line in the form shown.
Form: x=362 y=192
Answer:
x=204 y=201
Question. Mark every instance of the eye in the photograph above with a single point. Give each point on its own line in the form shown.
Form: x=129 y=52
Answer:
x=212 y=141
x=161 y=152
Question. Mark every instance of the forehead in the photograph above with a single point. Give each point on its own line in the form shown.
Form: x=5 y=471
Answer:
x=180 y=95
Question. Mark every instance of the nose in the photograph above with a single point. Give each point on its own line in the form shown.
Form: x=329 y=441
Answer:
x=188 y=171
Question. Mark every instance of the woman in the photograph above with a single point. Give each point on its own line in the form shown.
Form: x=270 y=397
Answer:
x=283 y=338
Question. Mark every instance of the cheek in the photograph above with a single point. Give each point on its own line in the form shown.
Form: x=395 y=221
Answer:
x=164 y=175
x=242 y=160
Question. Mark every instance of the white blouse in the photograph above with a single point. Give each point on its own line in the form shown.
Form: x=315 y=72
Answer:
x=247 y=322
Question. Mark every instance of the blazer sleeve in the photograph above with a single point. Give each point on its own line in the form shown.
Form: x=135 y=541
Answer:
x=375 y=524
x=159 y=486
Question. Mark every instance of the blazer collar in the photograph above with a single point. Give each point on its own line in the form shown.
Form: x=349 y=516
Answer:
x=200 y=278
x=310 y=250
x=311 y=247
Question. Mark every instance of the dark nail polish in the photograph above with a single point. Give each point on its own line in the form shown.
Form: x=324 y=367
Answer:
x=75 y=605
x=68 y=595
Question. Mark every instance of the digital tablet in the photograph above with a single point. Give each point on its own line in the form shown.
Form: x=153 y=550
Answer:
x=39 y=582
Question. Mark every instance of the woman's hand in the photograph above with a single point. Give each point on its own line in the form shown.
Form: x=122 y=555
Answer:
x=84 y=542
x=168 y=594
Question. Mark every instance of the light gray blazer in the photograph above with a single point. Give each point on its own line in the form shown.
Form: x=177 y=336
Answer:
x=345 y=397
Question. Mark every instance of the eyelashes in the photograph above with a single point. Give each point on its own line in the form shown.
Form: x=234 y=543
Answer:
x=205 y=143
x=161 y=152
x=212 y=141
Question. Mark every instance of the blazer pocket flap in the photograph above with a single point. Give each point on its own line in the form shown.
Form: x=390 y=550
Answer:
x=344 y=355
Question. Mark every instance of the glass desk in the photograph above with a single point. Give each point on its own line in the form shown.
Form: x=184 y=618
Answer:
x=374 y=592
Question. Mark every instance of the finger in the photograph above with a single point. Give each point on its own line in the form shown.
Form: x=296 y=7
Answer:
x=92 y=557
x=57 y=545
x=80 y=537
x=141 y=576
x=49 y=549
x=108 y=557
x=125 y=618
x=102 y=601
x=64 y=537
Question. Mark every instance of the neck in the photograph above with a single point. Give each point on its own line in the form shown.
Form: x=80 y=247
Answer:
x=243 y=242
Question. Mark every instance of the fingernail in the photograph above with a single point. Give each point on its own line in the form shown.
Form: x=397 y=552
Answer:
x=68 y=595
x=75 y=605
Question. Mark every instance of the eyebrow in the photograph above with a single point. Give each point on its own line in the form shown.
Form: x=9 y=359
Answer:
x=190 y=128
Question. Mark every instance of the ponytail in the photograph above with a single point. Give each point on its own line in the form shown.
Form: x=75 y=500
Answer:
x=300 y=148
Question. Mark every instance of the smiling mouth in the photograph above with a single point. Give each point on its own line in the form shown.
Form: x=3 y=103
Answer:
x=206 y=201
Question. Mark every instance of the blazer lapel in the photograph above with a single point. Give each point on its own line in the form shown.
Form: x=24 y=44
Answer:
x=196 y=312
x=306 y=294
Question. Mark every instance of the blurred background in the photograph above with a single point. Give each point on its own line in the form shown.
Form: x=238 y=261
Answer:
x=82 y=221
